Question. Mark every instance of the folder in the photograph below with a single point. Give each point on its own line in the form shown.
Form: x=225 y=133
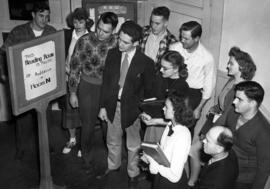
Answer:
x=153 y=108
x=154 y=150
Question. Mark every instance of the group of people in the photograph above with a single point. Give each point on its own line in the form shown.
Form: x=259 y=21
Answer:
x=108 y=76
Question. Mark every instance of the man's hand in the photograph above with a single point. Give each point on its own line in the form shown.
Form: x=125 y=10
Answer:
x=73 y=99
x=103 y=115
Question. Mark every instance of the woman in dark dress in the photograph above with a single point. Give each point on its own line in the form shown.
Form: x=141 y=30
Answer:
x=171 y=79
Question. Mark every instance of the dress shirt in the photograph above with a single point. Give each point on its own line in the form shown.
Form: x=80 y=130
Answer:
x=152 y=45
x=176 y=148
x=201 y=70
x=130 y=56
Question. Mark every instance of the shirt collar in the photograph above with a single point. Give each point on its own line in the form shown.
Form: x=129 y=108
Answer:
x=130 y=54
x=75 y=36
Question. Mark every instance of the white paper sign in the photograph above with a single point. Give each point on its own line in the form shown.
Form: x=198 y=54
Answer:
x=39 y=69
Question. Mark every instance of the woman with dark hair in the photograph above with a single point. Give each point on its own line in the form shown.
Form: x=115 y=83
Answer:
x=80 y=23
x=240 y=68
x=172 y=79
x=175 y=143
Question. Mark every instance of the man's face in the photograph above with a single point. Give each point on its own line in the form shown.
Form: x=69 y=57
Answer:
x=125 y=42
x=187 y=40
x=168 y=110
x=41 y=19
x=104 y=31
x=233 y=67
x=242 y=103
x=158 y=24
x=210 y=145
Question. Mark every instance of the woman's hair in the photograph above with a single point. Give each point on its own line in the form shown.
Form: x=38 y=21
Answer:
x=177 y=60
x=79 y=14
x=246 y=64
x=183 y=114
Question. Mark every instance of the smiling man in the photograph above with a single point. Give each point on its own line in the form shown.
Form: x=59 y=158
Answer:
x=128 y=78
x=26 y=122
x=156 y=37
x=85 y=79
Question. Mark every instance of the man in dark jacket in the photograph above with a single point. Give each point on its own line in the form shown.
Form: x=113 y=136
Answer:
x=221 y=170
x=128 y=78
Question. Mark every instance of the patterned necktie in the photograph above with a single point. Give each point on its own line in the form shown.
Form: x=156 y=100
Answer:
x=123 y=72
x=170 y=130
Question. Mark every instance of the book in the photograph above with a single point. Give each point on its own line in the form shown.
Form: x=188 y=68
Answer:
x=153 y=107
x=154 y=150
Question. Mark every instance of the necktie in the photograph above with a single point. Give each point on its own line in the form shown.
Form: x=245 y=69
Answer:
x=170 y=130
x=123 y=72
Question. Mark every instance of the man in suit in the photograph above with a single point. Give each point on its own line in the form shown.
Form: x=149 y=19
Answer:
x=127 y=79
x=221 y=170
x=251 y=135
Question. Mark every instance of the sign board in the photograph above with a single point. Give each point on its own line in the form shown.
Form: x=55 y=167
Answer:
x=36 y=71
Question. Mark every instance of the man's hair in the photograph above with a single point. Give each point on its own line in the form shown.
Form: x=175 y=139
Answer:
x=225 y=140
x=194 y=27
x=176 y=60
x=246 y=64
x=109 y=18
x=132 y=29
x=252 y=89
x=40 y=7
x=162 y=11
x=183 y=114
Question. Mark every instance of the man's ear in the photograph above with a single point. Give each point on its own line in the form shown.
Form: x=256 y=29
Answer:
x=33 y=15
x=197 y=39
x=253 y=103
x=136 y=43
x=166 y=23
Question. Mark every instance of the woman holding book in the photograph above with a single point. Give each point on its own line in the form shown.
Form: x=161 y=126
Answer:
x=175 y=143
x=171 y=79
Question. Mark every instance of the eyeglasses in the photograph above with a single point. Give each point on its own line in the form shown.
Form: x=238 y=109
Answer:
x=166 y=68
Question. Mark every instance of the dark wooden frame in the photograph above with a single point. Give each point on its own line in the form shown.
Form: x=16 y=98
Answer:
x=16 y=78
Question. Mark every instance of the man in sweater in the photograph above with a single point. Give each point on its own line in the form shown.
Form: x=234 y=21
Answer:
x=86 y=75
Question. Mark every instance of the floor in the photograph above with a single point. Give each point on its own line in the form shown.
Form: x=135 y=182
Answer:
x=66 y=170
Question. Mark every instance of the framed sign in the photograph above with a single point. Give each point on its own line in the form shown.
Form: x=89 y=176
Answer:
x=36 y=71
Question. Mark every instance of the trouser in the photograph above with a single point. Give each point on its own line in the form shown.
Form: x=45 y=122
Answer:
x=88 y=97
x=114 y=143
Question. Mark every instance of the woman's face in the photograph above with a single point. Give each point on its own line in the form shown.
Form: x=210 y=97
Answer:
x=168 y=71
x=233 y=67
x=168 y=110
x=79 y=25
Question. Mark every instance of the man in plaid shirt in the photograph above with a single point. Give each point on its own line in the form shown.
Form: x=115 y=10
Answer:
x=156 y=37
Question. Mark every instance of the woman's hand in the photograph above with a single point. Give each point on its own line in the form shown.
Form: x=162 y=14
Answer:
x=153 y=165
x=73 y=99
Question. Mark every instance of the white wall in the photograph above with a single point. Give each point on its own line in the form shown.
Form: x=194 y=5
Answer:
x=246 y=25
